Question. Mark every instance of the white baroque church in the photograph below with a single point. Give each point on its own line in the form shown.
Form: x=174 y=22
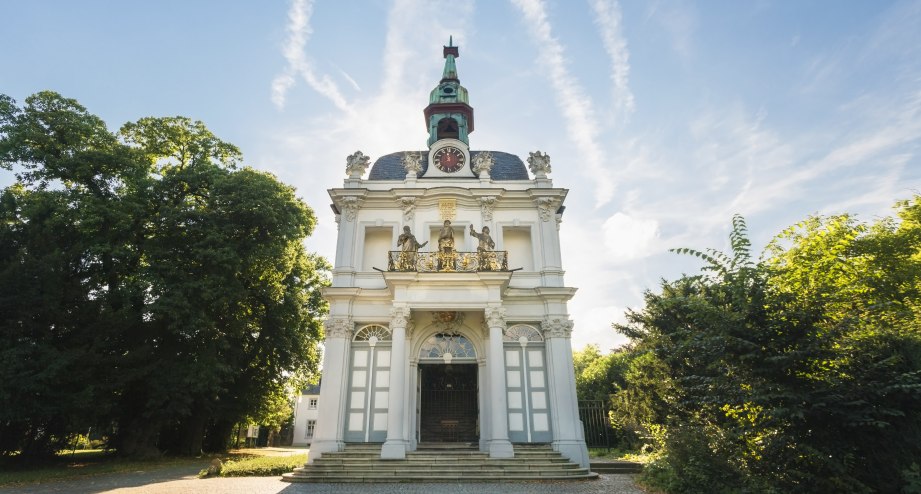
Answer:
x=448 y=317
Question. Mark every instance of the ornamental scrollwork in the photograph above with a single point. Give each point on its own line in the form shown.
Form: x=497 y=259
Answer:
x=483 y=162
x=539 y=163
x=547 y=207
x=338 y=327
x=356 y=164
x=447 y=321
x=412 y=162
x=556 y=327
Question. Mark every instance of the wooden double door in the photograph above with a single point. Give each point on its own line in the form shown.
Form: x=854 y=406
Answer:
x=449 y=408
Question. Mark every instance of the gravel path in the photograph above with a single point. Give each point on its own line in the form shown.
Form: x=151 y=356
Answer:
x=181 y=481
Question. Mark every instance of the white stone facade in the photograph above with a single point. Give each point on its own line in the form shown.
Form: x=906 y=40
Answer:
x=448 y=345
x=523 y=220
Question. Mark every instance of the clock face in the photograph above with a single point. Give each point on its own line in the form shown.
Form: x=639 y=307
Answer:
x=449 y=159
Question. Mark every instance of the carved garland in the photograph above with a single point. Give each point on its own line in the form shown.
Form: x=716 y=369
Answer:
x=547 y=207
x=349 y=206
x=409 y=208
x=487 y=206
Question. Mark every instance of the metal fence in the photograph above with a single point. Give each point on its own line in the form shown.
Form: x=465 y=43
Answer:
x=595 y=423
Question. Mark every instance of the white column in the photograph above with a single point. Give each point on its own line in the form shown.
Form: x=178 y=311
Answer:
x=331 y=404
x=568 y=434
x=499 y=445
x=396 y=444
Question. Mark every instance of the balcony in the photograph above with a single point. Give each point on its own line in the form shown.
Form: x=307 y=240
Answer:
x=447 y=262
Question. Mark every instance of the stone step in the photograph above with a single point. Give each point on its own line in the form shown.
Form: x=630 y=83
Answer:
x=439 y=463
x=466 y=478
x=506 y=466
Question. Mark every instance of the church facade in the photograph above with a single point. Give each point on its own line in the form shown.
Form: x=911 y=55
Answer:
x=448 y=314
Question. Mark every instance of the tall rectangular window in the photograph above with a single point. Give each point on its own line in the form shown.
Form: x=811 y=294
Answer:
x=311 y=426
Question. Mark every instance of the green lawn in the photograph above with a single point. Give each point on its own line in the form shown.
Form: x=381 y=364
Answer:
x=80 y=464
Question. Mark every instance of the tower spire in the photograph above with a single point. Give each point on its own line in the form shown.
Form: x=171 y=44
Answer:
x=449 y=115
x=450 y=53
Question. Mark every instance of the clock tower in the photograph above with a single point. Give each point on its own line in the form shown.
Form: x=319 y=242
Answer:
x=431 y=342
x=449 y=119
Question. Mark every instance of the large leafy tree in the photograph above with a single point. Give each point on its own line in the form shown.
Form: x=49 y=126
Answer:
x=148 y=282
x=797 y=373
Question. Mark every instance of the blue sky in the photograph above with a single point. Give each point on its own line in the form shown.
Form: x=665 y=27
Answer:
x=662 y=118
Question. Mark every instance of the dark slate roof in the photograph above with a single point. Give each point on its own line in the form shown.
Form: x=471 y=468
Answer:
x=507 y=166
x=313 y=389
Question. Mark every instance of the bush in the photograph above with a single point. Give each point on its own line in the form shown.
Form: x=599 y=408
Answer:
x=260 y=466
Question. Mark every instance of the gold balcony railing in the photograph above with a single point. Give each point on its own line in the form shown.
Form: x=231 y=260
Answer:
x=448 y=262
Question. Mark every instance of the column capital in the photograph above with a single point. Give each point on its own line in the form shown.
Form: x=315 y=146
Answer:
x=338 y=327
x=495 y=317
x=400 y=317
x=556 y=326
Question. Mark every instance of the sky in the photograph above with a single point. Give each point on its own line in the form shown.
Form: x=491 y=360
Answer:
x=662 y=118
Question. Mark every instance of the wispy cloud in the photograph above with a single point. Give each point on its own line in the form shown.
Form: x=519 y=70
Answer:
x=299 y=65
x=581 y=123
x=609 y=19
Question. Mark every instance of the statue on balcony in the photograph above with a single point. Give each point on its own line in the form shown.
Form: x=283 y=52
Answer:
x=409 y=246
x=407 y=241
x=486 y=242
x=487 y=259
x=446 y=238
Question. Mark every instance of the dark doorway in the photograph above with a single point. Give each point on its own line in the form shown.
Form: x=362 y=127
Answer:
x=449 y=403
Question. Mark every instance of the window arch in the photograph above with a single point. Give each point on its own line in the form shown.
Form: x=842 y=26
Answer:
x=376 y=331
x=523 y=333
x=448 y=128
x=439 y=344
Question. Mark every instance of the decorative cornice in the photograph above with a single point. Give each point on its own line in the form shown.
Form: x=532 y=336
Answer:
x=495 y=317
x=338 y=327
x=547 y=207
x=356 y=164
x=556 y=327
x=539 y=163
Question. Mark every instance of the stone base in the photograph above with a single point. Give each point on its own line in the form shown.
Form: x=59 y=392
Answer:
x=393 y=450
x=501 y=449
x=576 y=451
x=317 y=448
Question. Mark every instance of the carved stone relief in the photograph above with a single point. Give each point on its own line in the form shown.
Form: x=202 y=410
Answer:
x=547 y=207
x=556 y=327
x=539 y=163
x=487 y=206
x=356 y=164
x=338 y=327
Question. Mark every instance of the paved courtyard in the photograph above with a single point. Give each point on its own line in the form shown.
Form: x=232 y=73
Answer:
x=182 y=481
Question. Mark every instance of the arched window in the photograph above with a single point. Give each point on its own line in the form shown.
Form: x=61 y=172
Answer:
x=376 y=331
x=523 y=333
x=437 y=345
x=447 y=128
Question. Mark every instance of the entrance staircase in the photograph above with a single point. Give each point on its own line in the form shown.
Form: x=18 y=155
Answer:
x=444 y=462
